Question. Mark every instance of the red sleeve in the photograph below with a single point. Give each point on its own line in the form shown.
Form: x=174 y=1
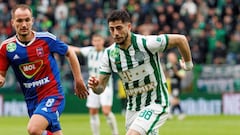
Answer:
x=4 y=63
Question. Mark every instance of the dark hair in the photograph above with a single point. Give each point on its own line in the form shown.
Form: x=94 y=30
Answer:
x=21 y=6
x=119 y=15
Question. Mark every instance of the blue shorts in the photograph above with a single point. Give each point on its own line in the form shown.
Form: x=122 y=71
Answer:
x=50 y=108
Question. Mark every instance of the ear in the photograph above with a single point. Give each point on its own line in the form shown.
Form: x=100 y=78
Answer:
x=12 y=22
x=33 y=20
x=129 y=26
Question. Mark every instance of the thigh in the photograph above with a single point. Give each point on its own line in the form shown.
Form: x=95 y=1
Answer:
x=149 y=119
x=106 y=98
x=93 y=100
x=51 y=108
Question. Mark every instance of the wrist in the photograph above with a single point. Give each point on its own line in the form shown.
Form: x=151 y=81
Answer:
x=189 y=65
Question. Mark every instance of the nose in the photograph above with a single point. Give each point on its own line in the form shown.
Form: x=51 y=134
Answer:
x=115 y=32
x=24 y=24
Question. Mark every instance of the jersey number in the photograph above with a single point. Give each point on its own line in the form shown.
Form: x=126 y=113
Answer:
x=146 y=114
x=49 y=102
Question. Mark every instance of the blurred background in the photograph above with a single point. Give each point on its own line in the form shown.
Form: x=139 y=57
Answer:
x=211 y=26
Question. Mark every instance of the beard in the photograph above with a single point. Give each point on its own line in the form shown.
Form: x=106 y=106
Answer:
x=124 y=40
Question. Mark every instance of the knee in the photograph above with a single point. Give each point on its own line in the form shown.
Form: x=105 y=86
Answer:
x=106 y=113
x=33 y=130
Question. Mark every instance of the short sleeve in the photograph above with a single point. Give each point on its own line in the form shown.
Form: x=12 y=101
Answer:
x=3 y=59
x=56 y=45
x=156 y=43
x=105 y=65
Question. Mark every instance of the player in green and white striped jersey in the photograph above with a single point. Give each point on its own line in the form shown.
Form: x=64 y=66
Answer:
x=94 y=102
x=135 y=58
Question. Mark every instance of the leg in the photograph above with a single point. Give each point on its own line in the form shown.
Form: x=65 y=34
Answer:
x=111 y=120
x=93 y=103
x=37 y=125
x=46 y=117
x=94 y=121
x=148 y=120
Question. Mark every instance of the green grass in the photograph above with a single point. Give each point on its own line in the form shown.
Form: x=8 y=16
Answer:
x=78 y=124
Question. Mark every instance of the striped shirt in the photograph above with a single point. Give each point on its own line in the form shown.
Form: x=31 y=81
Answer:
x=93 y=61
x=139 y=69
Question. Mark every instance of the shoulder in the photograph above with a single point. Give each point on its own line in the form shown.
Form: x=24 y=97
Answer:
x=9 y=40
x=111 y=47
x=45 y=35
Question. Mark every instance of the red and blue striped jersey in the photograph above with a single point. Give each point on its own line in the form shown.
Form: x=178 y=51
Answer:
x=34 y=64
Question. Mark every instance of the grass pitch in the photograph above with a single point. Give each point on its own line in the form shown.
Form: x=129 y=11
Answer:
x=78 y=124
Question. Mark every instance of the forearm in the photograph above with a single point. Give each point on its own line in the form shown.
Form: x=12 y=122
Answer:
x=74 y=65
x=98 y=85
x=98 y=89
x=184 y=50
x=180 y=41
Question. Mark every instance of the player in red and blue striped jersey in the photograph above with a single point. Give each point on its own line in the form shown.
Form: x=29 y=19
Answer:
x=30 y=54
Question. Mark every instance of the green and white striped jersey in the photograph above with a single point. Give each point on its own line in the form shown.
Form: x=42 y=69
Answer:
x=139 y=69
x=93 y=61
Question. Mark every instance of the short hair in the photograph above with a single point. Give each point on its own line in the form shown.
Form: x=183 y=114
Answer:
x=21 y=6
x=119 y=15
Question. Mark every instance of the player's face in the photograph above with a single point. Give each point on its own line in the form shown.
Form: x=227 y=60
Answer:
x=119 y=31
x=98 y=42
x=22 y=22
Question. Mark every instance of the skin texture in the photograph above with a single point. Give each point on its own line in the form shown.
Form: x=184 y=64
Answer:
x=22 y=22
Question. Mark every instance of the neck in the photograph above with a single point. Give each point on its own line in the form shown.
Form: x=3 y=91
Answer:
x=99 y=49
x=26 y=38
x=126 y=43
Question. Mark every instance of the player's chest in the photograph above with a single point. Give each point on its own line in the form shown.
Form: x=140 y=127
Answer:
x=19 y=54
x=123 y=60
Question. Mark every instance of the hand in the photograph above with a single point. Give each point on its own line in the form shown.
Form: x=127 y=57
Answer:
x=80 y=90
x=2 y=81
x=186 y=65
x=93 y=82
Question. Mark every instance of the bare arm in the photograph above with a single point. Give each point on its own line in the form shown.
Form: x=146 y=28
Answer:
x=2 y=78
x=75 y=49
x=98 y=85
x=180 y=41
x=80 y=89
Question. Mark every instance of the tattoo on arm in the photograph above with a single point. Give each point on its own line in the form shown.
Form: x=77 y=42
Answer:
x=103 y=80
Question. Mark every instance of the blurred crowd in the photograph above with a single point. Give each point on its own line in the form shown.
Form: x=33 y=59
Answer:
x=211 y=26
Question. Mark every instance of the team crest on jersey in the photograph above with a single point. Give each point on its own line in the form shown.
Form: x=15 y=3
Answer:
x=139 y=56
x=39 y=52
x=30 y=69
x=11 y=47
x=114 y=53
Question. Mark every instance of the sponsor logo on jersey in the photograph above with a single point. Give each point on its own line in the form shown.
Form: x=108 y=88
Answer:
x=16 y=57
x=11 y=47
x=37 y=83
x=31 y=69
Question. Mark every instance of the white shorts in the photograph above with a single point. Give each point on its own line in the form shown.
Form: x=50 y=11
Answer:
x=104 y=99
x=148 y=120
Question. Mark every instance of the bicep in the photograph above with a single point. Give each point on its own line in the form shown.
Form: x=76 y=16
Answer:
x=175 y=40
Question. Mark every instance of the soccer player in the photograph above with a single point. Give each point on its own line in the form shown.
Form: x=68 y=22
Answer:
x=135 y=59
x=94 y=102
x=176 y=74
x=30 y=54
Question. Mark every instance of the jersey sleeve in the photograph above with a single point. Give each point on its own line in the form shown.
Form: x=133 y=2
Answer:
x=105 y=66
x=156 y=43
x=85 y=50
x=3 y=59
x=57 y=46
